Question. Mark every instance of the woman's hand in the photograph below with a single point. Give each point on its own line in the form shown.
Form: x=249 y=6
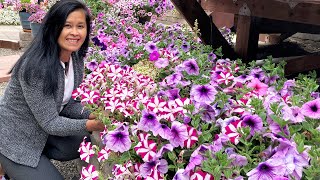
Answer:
x=92 y=116
x=94 y=125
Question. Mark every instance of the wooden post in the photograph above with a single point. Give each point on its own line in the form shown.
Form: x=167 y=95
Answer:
x=210 y=34
x=247 y=38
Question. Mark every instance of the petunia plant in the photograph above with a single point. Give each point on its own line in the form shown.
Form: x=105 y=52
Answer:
x=175 y=109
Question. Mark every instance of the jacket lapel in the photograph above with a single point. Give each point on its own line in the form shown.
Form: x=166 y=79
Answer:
x=60 y=91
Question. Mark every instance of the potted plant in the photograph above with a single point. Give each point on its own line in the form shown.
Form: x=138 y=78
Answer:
x=35 y=21
x=25 y=9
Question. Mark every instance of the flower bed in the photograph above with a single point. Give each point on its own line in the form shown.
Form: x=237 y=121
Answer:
x=9 y=17
x=178 y=110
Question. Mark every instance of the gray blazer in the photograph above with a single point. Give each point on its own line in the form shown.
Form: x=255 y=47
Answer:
x=27 y=116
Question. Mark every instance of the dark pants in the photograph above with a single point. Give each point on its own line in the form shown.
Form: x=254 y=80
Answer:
x=58 y=148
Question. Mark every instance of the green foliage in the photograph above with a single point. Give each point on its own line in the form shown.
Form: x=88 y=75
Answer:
x=97 y=6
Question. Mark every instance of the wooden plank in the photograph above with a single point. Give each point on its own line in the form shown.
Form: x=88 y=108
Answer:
x=304 y=12
x=243 y=33
x=210 y=34
x=302 y=64
x=247 y=38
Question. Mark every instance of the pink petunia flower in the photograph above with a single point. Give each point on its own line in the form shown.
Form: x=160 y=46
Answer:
x=258 y=86
x=311 y=109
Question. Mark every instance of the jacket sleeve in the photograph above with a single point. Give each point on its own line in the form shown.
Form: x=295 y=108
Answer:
x=74 y=109
x=44 y=109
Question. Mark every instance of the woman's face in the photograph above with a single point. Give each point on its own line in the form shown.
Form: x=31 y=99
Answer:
x=73 y=34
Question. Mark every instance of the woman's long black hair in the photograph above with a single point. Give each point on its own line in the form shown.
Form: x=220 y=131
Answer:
x=43 y=54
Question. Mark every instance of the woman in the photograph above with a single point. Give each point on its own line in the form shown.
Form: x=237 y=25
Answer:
x=38 y=118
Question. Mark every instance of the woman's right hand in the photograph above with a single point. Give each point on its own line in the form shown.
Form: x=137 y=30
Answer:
x=94 y=125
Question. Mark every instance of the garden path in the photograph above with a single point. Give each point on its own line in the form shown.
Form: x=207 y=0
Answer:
x=8 y=35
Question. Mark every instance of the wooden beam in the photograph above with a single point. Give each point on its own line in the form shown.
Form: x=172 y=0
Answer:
x=210 y=34
x=307 y=12
x=302 y=64
x=247 y=38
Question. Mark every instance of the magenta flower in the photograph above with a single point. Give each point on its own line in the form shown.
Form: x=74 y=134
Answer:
x=254 y=122
x=192 y=137
x=103 y=154
x=89 y=173
x=146 y=149
x=258 y=86
x=311 y=109
x=86 y=151
x=118 y=140
x=154 y=56
x=203 y=93
x=191 y=67
x=148 y=121
x=267 y=170
x=179 y=134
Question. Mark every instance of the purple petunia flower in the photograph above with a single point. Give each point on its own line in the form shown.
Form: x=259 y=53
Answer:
x=180 y=175
x=179 y=134
x=254 y=122
x=163 y=131
x=257 y=73
x=193 y=162
x=238 y=160
x=129 y=30
x=297 y=115
x=158 y=10
x=160 y=165
x=208 y=113
x=311 y=109
x=212 y=57
x=148 y=121
x=203 y=93
x=174 y=79
x=315 y=95
x=186 y=119
x=118 y=140
x=161 y=63
x=165 y=148
x=173 y=93
x=185 y=47
x=267 y=170
x=151 y=46
x=92 y=65
x=243 y=78
x=191 y=67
